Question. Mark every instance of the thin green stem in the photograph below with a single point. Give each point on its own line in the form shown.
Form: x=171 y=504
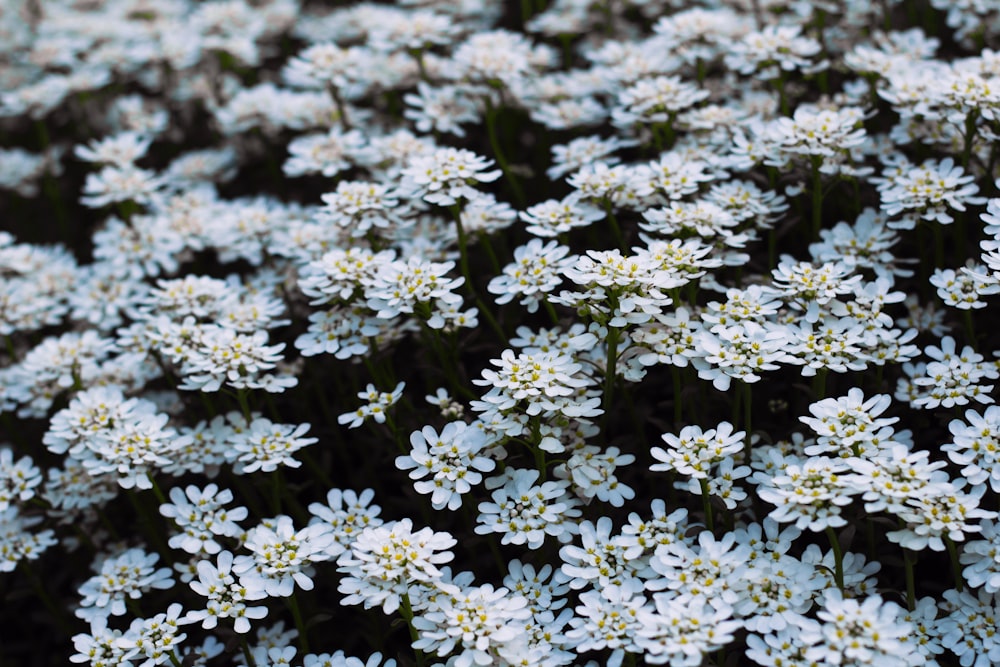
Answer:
x=247 y=655
x=406 y=610
x=551 y=311
x=610 y=369
x=58 y=613
x=819 y=384
x=277 y=490
x=956 y=566
x=747 y=425
x=463 y=263
x=293 y=606
x=938 y=244
x=157 y=491
x=706 y=503
x=911 y=589
x=968 y=137
x=338 y=101
x=615 y=227
x=678 y=407
x=241 y=397
x=838 y=557
x=817 y=197
x=970 y=329
x=501 y=158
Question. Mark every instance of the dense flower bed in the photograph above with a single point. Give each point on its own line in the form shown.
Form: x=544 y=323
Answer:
x=475 y=333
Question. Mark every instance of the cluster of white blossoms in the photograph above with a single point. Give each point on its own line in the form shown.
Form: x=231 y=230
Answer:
x=699 y=297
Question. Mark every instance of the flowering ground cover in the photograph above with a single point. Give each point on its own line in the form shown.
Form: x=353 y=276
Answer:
x=515 y=334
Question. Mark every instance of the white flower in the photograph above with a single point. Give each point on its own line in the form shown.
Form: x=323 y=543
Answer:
x=524 y=512
x=682 y=631
x=447 y=176
x=120 y=150
x=963 y=289
x=377 y=404
x=17 y=542
x=709 y=570
x=592 y=472
x=201 y=516
x=226 y=595
x=982 y=559
x=326 y=154
x=811 y=493
x=122 y=577
x=410 y=285
x=543 y=381
x=453 y=459
x=265 y=445
x=864 y=632
x=849 y=422
x=17 y=480
x=952 y=377
x=976 y=446
x=600 y=558
x=928 y=192
x=156 y=637
x=656 y=100
x=553 y=217
x=116 y=184
x=359 y=206
x=221 y=355
x=969 y=631
x=774 y=50
x=942 y=513
x=741 y=352
x=281 y=555
x=441 y=108
x=609 y=618
x=474 y=622
x=384 y=561
x=535 y=271
x=693 y=451
x=101 y=646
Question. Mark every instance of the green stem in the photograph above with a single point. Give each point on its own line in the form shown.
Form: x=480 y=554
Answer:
x=970 y=329
x=406 y=610
x=491 y=131
x=241 y=397
x=536 y=437
x=706 y=503
x=838 y=558
x=58 y=613
x=551 y=311
x=160 y=498
x=615 y=227
x=819 y=384
x=817 y=196
x=484 y=241
x=247 y=655
x=463 y=263
x=341 y=108
x=956 y=566
x=911 y=593
x=938 y=244
x=676 y=373
x=747 y=425
x=968 y=137
x=148 y=525
x=610 y=371
x=293 y=605
x=277 y=490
